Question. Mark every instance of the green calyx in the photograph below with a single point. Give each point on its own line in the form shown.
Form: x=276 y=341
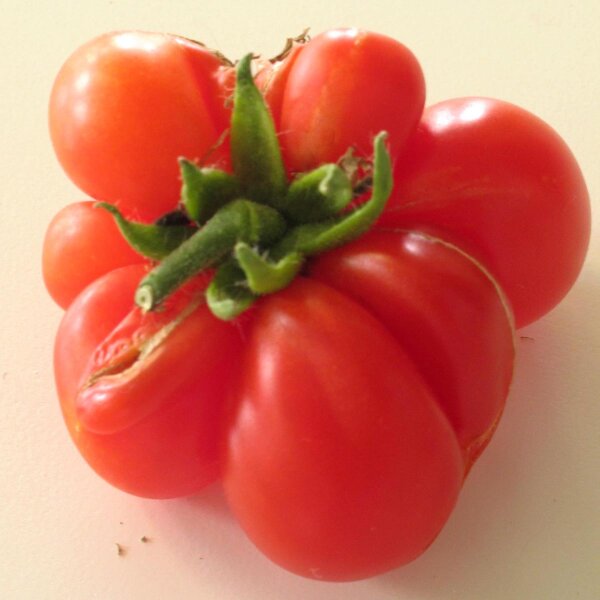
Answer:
x=253 y=226
x=154 y=241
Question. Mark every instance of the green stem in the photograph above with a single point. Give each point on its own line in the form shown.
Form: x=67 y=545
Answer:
x=240 y=220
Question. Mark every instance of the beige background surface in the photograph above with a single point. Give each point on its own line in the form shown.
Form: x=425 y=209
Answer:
x=527 y=526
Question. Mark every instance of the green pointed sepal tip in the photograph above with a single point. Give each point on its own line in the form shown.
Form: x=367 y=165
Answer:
x=228 y=294
x=152 y=241
x=264 y=276
x=318 y=194
x=205 y=190
x=313 y=238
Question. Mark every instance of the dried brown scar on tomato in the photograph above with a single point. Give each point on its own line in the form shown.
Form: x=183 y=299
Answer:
x=120 y=363
x=137 y=337
x=123 y=362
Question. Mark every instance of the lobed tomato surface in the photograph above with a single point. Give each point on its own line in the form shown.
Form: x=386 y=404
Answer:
x=343 y=412
x=498 y=181
x=331 y=97
x=328 y=414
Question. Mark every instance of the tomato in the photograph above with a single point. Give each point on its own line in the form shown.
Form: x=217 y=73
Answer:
x=289 y=409
x=125 y=106
x=272 y=78
x=343 y=410
x=142 y=394
x=344 y=424
x=341 y=89
x=426 y=292
x=82 y=243
x=499 y=182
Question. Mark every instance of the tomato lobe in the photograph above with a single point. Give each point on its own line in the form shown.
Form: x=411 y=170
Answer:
x=125 y=107
x=337 y=466
x=172 y=399
x=81 y=244
x=498 y=182
x=343 y=88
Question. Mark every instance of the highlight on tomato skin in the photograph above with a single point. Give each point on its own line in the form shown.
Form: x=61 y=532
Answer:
x=497 y=181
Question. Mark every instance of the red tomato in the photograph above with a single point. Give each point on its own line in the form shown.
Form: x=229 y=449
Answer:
x=335 y=413
x=142 y=395
x=271 y=80
x=341 y=89
x=499 y=182
x=343 y=412
x=82 y=243
x=348 y=444
x=125 y=106
x=447 y=313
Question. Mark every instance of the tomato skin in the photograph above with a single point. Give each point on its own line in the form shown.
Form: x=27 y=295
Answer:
x=167 y=445
x=341 y=413
x=125 y=106
x=337 y=466
x=81 y=244
x=446 y=313
x=344 y=87
x=497 y=181
x=271 y=80
x=320 y=443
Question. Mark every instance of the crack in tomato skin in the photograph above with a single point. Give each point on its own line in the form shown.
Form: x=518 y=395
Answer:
x=172 y=398
x=124 y=360
x=106 y=401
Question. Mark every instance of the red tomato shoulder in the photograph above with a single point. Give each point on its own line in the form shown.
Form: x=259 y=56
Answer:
x=445 y=311
x=497 y=181
x=142 y=395
x=125 y=106
x=343 y=88
x=81 y=244
x=336 y=441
